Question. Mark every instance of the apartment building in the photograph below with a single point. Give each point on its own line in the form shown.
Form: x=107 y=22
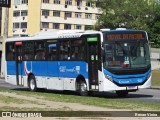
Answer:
x=31 y=16
x=0 y=19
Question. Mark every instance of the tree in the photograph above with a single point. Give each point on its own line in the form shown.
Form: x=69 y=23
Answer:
x=132 y=14
x=125 y=13
x=154 y=31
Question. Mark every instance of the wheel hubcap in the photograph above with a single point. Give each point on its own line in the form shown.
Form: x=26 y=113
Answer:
x=32 y=84
x=83 y=87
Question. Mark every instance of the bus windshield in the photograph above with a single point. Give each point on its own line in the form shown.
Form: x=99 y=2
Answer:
x=127 y=54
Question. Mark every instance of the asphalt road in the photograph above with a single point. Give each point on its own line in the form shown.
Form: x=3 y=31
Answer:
x=145 y=95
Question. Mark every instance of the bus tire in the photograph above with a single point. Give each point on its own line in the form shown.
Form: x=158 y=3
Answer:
x=122 y=93
x=32 y=84
x=82 y=88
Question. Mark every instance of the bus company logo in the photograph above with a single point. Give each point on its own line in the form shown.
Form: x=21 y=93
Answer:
x=62 y=68
x=78 y=69
x=75 y=69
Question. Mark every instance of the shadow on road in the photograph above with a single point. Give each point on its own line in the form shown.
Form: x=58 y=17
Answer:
x=109 y=95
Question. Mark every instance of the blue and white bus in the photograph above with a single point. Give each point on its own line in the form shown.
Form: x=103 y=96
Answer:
x=82 y=61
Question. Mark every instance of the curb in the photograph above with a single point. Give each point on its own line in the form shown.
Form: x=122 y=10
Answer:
x=156 y=87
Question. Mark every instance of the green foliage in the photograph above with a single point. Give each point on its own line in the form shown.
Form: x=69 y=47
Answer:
x=132 y=14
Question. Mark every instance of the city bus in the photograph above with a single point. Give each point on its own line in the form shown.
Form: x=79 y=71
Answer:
x=56 y=60
x=81 y=61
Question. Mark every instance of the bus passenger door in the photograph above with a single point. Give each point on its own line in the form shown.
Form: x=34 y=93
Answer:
x=93 y=63
x=18 y=59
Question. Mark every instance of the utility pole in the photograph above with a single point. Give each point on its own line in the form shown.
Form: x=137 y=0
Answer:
x=5 y=35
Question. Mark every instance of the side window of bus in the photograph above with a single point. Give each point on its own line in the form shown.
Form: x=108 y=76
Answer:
x=10 y=52
x=64 y=50
x=77 y=50
x=28 y=50
x=52 y=49
x=40 y=53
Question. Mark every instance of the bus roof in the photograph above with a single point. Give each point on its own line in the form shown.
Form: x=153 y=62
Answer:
x=54 y=35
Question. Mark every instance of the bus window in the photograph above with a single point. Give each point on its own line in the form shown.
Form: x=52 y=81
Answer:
x=77 y=50
x=10 y=51
x=52 y=51
x=40 y=50
x=64 y=50
x=28 y=50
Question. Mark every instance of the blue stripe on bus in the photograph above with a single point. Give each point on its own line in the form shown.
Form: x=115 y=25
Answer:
x=68 y=69
x=128 y=79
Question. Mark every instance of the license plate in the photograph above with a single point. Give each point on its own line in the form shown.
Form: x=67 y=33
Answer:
x=132 y=88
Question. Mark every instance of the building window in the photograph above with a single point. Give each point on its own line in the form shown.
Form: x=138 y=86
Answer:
x=57 y=2
x=78 y=15
x=87 y=27
x=99 y=4
x=45 y=1
x=68 y=14
x=24 y=13
x=88 y=16
x=67 y=26
x=88 y=4
x=17 y=2
x=15 y=25
x=68 y=2
x=77 y=27
x=45 y=25
x=16 y=13
x=56 y=13
x=78 y=2
x=97 y=16
x=23 y=24
x=45 y=12
x=24 y=1
x=56 y=25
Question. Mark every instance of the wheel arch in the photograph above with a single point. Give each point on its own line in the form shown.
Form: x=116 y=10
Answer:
x=80 y=78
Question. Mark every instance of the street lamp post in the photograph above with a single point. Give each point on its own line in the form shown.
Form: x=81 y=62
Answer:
x=5 y=35
x=6 y=4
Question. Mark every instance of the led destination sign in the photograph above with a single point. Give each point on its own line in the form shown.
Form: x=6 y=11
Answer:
x=125 y=36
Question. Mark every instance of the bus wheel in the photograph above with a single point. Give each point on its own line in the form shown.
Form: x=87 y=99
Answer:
x=32 y=84
x=122 y=93
x=82 y=88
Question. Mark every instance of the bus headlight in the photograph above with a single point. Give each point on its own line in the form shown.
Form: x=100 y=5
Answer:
x=109 y=77
x=149 y=75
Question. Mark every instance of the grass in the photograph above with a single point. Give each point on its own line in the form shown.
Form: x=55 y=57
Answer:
x=156 y=77
x=6 y=99
x=95 y=101
x=110 y=103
